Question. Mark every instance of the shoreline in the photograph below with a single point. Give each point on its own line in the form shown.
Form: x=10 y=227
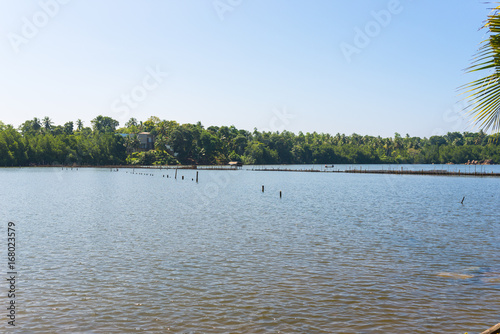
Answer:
x=282 y=168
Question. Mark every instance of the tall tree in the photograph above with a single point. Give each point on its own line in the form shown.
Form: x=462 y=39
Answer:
x=79 y=125
x=131 y=122
x=36 y=124
x=68 y=128
x=47 y=123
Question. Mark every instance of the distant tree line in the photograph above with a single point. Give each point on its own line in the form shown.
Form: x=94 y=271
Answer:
x=40 y=142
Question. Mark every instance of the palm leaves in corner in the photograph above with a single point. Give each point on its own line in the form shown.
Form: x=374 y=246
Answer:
x=483 y=94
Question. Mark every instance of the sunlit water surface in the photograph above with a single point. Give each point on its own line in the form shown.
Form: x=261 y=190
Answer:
x=115 y=252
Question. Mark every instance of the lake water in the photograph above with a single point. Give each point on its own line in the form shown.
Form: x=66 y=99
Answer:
x=471 y=169
x=116 y=252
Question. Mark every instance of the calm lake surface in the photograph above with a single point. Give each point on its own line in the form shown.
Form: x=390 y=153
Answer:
x=116 y=252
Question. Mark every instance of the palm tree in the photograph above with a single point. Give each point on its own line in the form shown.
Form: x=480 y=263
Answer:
x=160 y=143
x=136 y=143
x=132 y=143
x=36 y=124
x=131 y=122
x=47 y=123
x=128 y=144
x=483 y=94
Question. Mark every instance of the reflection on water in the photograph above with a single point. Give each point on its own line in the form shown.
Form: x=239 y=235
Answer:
x=116 y=252
x=478 y=274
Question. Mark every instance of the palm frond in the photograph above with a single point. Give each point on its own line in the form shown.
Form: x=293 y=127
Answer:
x=483 y=95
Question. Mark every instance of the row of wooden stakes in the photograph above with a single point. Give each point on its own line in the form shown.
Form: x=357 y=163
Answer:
x=149 y=174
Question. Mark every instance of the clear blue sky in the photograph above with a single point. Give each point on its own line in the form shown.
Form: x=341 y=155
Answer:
x=242 y=62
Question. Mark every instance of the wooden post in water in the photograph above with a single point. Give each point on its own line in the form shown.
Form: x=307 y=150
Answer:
x=262 y=188
x=493 y=330
x=176 y=173
x=196 y=176
x=280 y=193
x=183 y=177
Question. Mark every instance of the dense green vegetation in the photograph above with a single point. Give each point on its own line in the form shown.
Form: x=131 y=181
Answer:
x=39 y=142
